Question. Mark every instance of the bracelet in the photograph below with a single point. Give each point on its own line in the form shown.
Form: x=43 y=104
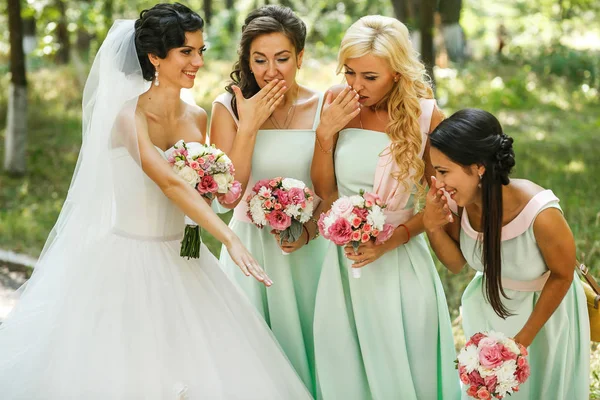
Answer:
x=407 y=233
x=317 y=231
x=307 y=234
x=321 y=147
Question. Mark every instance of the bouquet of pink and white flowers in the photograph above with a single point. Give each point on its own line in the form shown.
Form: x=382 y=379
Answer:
x=355 y=220
x=209 y=171
x=492 y=365
x=283 y=203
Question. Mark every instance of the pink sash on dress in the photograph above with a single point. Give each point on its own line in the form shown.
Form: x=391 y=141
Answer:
x=392 y=192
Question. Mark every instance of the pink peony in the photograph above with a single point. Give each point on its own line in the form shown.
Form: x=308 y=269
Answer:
x=523 y=373
x=362 y=213
x=476 y=379
x=235 y=191
x=296 y=196
x=385 y=234
x=340 y=232
x=279 y=220
x=490 y=356
x=483 y=394
x=207 y=185
x=282 y=196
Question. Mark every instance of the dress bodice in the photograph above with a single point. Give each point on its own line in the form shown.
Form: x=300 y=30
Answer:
x=140 y=208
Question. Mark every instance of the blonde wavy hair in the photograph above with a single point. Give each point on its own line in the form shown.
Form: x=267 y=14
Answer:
x=388 y=38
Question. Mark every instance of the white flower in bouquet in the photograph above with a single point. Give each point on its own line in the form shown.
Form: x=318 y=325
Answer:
x=498 y=336
x=469 y=357
x=189 y=175
x=288 y=183
x=376 y=218
x=222 y=182
x=506 y=372
x=512 y=346
x=485 y=372
x=264 y=192
x=180 y=164
x=357 y=201
x=505 y=387
x=256 y=209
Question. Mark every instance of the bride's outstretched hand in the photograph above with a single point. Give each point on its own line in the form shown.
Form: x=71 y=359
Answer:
x=253 y=112
x=249 y=266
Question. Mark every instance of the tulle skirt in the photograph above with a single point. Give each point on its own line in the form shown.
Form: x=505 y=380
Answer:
x=130 y=319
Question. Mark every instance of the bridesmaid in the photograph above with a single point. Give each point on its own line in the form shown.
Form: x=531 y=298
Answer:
x=513 y=233
x=265 y=146
x=386 y=335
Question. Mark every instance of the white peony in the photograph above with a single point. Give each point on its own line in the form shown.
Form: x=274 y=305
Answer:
x=189 y=175
x=357 y=201
x=376 y=218
x=288 y=183
x=469 y=357
x=222 y=182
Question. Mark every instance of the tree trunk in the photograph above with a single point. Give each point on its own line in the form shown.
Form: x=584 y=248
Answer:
x=62 y=34
x=207 y=11
x=427 y=9
x=16 y=128
x=232 y=16
x=399 y=10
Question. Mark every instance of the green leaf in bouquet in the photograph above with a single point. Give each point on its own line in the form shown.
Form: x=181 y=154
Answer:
x=355 y=245
x=190 y=244
x=295 y=231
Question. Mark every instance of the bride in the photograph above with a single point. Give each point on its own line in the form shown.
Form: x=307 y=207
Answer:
x=112 y=311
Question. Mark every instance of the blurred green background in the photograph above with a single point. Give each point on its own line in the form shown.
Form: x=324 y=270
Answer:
x=543 y=85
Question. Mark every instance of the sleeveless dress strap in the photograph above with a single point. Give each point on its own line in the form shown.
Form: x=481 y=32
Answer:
x=318 y=113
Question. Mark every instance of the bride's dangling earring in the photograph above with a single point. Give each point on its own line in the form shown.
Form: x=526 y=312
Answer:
x=156 y=82
x=479 y=184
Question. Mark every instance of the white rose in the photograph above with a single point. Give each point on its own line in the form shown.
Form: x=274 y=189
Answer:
x=222 y=182
x=357 y=201
x=189 y=175
x=376 y=218
x=195 y=149
x=469 y=357
x=288 y=183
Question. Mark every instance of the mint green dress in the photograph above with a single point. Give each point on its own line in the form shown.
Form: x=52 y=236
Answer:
x=288 y=306
x=386 y=335
x=559 y=356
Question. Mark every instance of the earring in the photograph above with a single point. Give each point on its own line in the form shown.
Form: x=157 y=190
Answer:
x=479 y=184
x=156 y=82
x=396 y=79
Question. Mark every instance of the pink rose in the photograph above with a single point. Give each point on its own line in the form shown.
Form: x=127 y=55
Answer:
x=207 y=185
x=340 y=231
x=375 y=233
x=476 y=379
x=278 y=206
x=282 y=196
x=268 y=204
x=372 y=198
x=355 y=237
x=274 y=182
x=523 y=349
x=321 y=224
x=491 y=382
x=342 y=207
x=279 y=220
x=365 y=237
x=385 y=234
x=483 y=394
x=472 y=391
x=195 y=165
x=490 y=356
x=356 y=222
x=507 y=354
x=476 y=338
x=521 y=362
x=464 y=378
x=461 y=369
x=296 y=196
x=367 y=228
x=523 y=373
x=235 y=191
x=259 y=184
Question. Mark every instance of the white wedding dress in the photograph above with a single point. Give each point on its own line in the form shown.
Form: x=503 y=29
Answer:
x=137 y=321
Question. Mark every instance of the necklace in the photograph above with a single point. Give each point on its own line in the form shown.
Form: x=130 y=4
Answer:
x=289 y=116
x=360 y=118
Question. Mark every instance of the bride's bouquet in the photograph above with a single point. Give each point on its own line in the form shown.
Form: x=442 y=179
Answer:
x=492 y=365
x=283 y=203
x=209 y=171
x=355 y=220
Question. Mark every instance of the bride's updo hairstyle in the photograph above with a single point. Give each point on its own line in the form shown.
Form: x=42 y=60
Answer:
x=160 y=29
x=473 y=136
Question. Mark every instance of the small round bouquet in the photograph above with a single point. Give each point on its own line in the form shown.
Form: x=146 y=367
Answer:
x=355 y=220
x=283 y=203
x=492 y=365
x=209 y=171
